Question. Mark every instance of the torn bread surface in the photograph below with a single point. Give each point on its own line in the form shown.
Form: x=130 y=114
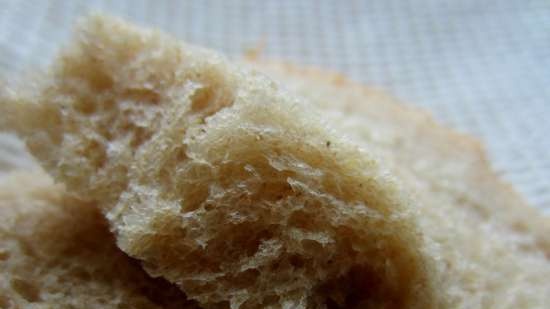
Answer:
x=221 y=181
x=57 y=252
x=494 y=248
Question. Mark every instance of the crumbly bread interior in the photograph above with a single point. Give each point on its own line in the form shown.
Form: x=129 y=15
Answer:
x=401 y=135
x=218 y=180
x=57 y=252
x=493 y=249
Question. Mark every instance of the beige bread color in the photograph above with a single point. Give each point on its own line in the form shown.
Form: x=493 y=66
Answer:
x=247 y=195
x=494 y=248
x=408 y=139
x=57 y=252
x=218 y=180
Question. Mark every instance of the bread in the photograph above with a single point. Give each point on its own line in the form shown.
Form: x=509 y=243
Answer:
x=218 y=180
x=495 y=247
x=409 y=139
x=247 y=195
x=57 y=252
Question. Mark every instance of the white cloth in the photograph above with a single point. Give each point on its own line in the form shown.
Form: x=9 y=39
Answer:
x=482 y=67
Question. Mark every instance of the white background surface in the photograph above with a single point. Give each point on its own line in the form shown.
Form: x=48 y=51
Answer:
x=482 y=67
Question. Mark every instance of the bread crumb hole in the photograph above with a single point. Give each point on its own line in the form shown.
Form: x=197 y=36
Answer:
x=85 y=107
x=243 y=279
x=362 y=287
x=296 y=261
x=208 y=101
x=26 y=289
x=201 y=98
x=140 y=136
x=81 y=273
x=4 y=255
x=142 y=95
x=100 y=157
x=97 y=77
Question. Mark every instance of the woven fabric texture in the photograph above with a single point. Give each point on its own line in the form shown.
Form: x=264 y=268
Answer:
x=482 y=67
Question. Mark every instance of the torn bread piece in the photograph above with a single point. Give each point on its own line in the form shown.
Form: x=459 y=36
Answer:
x=57 y=252
x=220 y=181
x=446 y=161
x=495 y=247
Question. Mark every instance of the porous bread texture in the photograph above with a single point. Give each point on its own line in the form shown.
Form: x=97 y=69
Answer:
x=493 y=248
x=57 y=252
x=407 y=136
x=218 y=180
